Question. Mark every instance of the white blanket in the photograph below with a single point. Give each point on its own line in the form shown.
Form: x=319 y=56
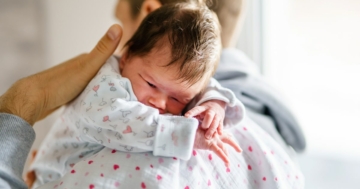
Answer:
x=262 y=164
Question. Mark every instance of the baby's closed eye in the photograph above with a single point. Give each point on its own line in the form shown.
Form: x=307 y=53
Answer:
x=175 y=99
x=151 y=85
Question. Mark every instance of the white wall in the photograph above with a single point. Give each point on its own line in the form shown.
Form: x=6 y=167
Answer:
x=21 y=50
x=312 y=55
x=74 y=27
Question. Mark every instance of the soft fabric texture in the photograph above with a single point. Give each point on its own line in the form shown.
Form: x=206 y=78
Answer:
x=108 y=114
x=16 y=138
x=264 y=105
x=262 y=165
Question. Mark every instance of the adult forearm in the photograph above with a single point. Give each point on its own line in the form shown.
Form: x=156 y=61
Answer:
x=34 y=97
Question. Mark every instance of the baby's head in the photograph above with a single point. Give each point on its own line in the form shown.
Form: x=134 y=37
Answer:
x=174 y=52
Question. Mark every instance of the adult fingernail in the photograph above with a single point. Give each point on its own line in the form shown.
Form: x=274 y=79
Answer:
x=114 y=32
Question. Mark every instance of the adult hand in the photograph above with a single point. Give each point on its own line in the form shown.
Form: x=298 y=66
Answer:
x=34 y=97
x=216 y=144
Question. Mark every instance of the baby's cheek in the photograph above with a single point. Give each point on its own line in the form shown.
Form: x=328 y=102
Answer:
x=140 y=93
x=175 y=108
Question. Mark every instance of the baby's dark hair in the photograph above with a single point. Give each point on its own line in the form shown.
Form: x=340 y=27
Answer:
x=135 y=5
x=193 y=32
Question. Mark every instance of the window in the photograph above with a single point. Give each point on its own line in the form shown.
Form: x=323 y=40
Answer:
x=309 y=51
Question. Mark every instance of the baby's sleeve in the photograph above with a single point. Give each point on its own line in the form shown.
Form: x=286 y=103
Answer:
x=111 y=115
x=235 y=110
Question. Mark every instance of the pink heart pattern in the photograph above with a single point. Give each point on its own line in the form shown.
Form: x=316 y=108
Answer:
x=96 y=88
x=158 y=177
x=116 y=166
x=127 y=130
x=105 y=118
x=99 y=167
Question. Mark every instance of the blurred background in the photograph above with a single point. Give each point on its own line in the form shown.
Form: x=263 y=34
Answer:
x=307 y=49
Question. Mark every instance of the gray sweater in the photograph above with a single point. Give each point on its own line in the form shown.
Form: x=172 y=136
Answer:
x=16 y=139
x=264 y=105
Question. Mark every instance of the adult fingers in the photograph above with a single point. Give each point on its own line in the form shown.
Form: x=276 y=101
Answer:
x=229 y=140
x=195 y=111
x=103 y=50
x=65 y=81
x=212 y=128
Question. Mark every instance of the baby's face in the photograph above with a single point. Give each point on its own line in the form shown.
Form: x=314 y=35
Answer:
x=155 y=85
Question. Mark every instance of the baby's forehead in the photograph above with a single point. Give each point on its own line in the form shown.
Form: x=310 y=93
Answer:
x=190 y=89
x=166 y=78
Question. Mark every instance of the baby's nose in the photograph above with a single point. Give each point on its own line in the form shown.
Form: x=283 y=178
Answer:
x=158 y=101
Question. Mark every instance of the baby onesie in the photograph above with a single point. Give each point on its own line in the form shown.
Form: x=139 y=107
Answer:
x=263 y=164
x=107 y=114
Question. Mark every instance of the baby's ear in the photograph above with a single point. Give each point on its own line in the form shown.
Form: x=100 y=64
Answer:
x=123 y=59
x=149 y=6
x=126 y=55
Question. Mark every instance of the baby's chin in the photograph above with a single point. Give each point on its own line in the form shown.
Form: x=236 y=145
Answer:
x=168 y=114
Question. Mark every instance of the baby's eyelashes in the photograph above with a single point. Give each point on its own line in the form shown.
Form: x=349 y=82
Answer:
x=151 y=85
x=175 y=99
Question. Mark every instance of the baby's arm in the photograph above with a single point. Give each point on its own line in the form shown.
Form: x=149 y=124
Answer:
x=216 y=144
x=111 y=116
x=216 y=107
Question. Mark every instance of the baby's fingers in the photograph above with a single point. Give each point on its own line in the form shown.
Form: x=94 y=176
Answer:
x=195 y=111
x=219 y=152
x=220 y=128
x=208 y=119
x=213 y=126
x=229 y=140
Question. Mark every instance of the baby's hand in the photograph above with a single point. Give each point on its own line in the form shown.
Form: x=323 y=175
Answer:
x=216 y=144
x=211 y=116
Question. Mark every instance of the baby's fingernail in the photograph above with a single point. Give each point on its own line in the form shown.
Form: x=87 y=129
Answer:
x=114 y=32
x=207 y=136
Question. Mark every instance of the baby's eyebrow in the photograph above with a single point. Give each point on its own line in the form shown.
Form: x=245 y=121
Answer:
x=150 y=78
x=153 y=81
x=172 y=93
x=183 y=98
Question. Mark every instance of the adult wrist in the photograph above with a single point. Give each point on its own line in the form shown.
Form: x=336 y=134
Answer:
x=20 y=100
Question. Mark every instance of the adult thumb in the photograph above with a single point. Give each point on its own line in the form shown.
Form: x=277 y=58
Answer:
x=105 y=47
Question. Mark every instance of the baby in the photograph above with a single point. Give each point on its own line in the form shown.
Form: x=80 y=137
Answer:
x=134 y=103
